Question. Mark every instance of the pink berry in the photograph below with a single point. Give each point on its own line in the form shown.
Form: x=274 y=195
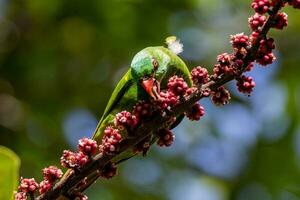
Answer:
x=245 y=84
x=220 y=96
x=254 y=36
x=73 y=160
x=199 y=75
x=167 y=99
x=256 y=21
x=225 y=65
x=261 y=6
x=109 y=171
x=28 y=185
x=225 y=58
x=110 y=141
x=126 y=120
x=280 y=21
x=52 y=173
x=20 y=196
x=68 y=159
x=165 y=137
x=177 y=85
x=266 y=46
x=196 y=112
x=45 y=185
x=142 y=109
x=239 y=40
x=87 y=146
x=191 y=90
x=265 y=59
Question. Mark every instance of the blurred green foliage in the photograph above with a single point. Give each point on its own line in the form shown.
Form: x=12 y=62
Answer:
x=9 y=172
x=60 y=60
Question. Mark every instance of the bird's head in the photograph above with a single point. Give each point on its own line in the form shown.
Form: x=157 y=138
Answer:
x=148 y=68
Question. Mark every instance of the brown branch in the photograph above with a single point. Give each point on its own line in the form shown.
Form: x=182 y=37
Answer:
x=65 y=185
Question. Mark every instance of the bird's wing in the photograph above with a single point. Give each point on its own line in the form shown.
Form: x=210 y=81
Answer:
x=116 y=96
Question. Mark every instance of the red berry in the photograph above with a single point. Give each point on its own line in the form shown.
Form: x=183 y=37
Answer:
x=206 y=92
x=68 y=159
x=177 y=85
x=20 y=196
x=45 y=185
x=87 y=146
x=109 y=171
x=191 y=90
x=280 y=20
x=261 y=6
x=220 y=96
x=196 y=112
x=225 y=66
x=254 y=36
x=73 y=160
x=256 y=21
x=239 y=40
x=165 y=137
x=28 y=185
x=266 y=46
x=225 y=59
x=110 y=141
x=126 y=120
x=265 y=59
x=142 y=110
x=167 y=99
x=52 y=173
x=245 y=84
x=199 y=75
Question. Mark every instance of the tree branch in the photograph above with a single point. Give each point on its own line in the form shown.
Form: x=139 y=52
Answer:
x=65 y=185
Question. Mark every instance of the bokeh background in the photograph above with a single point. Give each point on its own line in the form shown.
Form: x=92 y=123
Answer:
x=60 y=60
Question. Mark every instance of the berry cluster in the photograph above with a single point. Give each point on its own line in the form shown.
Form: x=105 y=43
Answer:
x=125 y=120
x=199 y=75
x=239 y=40
x=261 y=6
x=87 y=146
x=245 y=84
x=51 y=175
x=196 y=112
x=110 y=141
x=28 y=186
x=220 y=96
x=143 y=109
x=256 y=21
x=177 y=85
x=165 y=137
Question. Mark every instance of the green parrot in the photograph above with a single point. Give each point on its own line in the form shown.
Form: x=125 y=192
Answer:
x=149 y=72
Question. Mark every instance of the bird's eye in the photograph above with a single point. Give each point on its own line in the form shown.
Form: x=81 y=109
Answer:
x=155 y=64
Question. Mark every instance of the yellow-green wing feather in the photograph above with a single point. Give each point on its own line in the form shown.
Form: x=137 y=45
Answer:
x=124 y=84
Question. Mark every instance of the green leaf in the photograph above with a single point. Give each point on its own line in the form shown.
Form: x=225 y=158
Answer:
x=9 y=172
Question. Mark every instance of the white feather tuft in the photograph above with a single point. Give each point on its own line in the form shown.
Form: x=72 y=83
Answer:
x=174 y=45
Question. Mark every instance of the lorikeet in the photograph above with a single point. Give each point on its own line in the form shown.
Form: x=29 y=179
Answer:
x=149 y=72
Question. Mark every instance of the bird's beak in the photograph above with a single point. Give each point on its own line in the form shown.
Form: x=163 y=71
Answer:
x=152 y=87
